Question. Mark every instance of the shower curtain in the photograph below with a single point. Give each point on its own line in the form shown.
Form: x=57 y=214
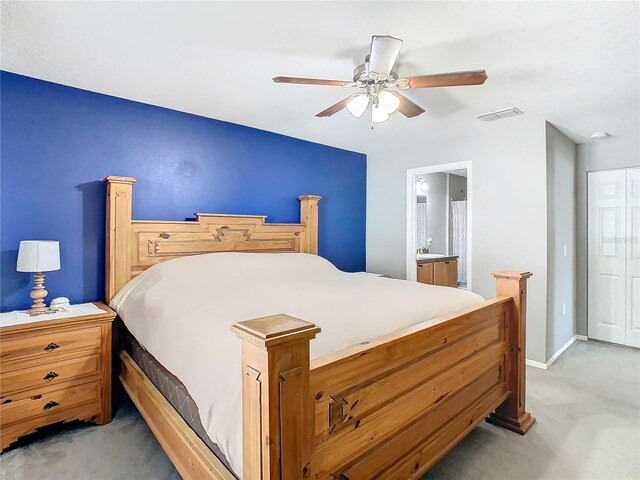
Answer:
x=459 y=237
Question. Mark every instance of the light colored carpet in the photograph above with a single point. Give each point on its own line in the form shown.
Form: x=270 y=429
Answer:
x=587 y=406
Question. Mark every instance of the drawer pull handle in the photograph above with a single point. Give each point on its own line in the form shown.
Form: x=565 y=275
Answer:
x=50 y=404
x=51 y=346
x=50 y=376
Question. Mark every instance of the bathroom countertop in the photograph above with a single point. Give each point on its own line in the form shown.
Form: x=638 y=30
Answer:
x=437 y=259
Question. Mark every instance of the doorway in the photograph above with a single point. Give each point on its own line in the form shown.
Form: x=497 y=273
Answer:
x=439 y=213
x=614 y=256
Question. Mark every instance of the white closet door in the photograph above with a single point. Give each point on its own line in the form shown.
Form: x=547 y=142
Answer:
x=607 y=255
x=633 y=257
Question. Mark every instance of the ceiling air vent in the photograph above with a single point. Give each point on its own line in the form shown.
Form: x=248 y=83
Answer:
x=498 y=114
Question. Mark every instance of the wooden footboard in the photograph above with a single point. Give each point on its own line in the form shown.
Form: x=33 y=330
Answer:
x=390 y=408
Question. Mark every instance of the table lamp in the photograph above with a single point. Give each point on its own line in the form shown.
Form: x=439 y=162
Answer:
x=37 y=256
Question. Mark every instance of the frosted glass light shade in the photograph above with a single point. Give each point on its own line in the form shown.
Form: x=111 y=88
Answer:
x=388 y=102
x=378 y=114
x=39 y=256
x=422 y=185
x=358 y=104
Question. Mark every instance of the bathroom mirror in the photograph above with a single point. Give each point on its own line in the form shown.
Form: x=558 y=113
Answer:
x=441 y=218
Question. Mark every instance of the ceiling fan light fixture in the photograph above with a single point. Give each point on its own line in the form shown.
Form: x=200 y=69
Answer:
x=358 y=104
x=377 y=75
x=379 y=114
x=388 y=102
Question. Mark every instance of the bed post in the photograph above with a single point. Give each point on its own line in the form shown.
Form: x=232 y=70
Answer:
x=309 y=218
x=277 y=409
x=118 y=251
x=512 y=414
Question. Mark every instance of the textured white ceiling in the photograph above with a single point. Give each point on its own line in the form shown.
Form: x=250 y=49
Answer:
x=575 y=64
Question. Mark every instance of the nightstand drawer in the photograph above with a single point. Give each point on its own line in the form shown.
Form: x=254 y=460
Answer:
x=35 y=403
x=47 y=346
x=49 y=373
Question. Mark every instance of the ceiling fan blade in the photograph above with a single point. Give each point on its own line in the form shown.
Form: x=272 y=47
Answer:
x=383 y=54
x=453 y=79
x=335 y=108
x=311 y=81
x=407 y=107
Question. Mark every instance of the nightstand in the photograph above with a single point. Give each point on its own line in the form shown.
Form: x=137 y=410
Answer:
x=54 y=368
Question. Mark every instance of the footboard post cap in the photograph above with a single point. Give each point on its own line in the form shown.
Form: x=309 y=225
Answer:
x=269 y=331
x=512 y=275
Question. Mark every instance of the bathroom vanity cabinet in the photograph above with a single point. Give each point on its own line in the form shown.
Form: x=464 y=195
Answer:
x=439 y=271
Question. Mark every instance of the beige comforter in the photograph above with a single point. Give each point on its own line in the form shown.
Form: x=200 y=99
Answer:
x=181 y=310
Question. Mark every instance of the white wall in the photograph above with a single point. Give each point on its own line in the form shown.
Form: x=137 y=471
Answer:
x=509 y=227
x=596 y=155
x=561 y=240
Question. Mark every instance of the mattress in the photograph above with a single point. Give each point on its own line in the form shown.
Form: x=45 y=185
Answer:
x=181 y=310
x=172 y=389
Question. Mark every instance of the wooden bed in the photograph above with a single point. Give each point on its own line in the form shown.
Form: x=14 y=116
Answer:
x=390 y=408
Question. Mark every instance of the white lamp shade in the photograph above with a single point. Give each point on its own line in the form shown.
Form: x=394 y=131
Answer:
x=378 y=114
x=39 y=256
x=358 y=104
x=389 y=102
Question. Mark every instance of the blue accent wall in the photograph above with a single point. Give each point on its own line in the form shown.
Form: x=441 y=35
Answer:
x=58 y=143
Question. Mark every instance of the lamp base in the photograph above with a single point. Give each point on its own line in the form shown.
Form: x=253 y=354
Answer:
x=38 y=294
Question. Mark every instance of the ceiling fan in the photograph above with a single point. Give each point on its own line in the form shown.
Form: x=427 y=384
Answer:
x=377 y=75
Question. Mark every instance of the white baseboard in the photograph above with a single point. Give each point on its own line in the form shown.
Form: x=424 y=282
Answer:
x=544 y=366
x=561 y=350
x=533 y=363
x=582 y=338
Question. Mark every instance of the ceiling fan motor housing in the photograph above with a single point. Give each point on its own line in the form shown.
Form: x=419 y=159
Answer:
x=362 y=77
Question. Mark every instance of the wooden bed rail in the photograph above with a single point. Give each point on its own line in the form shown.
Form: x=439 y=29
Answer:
x=390 y=409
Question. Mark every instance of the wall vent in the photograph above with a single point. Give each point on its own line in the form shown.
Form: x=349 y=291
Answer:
x=498 y=114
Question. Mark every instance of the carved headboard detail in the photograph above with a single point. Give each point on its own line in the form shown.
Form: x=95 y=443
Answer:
x=132 y=246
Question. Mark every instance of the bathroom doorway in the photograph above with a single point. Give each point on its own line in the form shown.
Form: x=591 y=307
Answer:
x=439 y=224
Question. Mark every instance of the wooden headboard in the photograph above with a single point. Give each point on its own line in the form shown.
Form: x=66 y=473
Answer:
x=134 y=245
